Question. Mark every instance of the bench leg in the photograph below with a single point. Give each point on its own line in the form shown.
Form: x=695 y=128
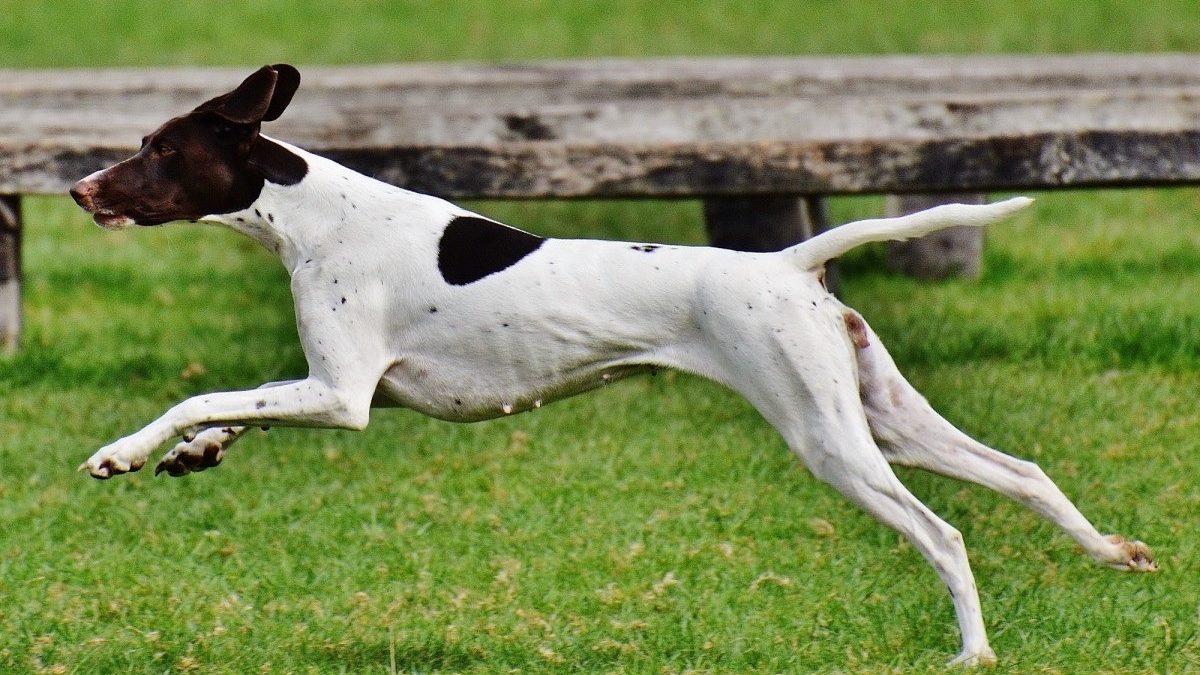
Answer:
x=757 y=223
x=10 y=273
x=767 y=224
x=955 y=251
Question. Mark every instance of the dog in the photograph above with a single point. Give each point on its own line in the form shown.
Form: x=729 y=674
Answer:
x=404 y=299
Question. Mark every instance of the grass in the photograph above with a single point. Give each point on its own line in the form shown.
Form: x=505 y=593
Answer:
x=656 y=526
x=136 y=32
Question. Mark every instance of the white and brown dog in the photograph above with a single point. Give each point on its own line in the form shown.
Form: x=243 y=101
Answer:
x=406 y=300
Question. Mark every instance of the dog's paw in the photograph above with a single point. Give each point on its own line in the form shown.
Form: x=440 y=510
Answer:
x=1132 y=556
x=974 y=658
x=201 y=452
x=114 y=459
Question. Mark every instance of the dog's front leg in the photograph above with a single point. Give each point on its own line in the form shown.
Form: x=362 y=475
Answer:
x=206 y=449
x=306 y=403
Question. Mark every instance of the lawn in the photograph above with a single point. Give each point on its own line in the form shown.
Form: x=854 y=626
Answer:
x=656 y=526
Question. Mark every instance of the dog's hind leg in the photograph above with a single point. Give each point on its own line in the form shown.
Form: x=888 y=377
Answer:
x=817 y=409
x=855 y=468
x=911 y=433
x=203 y=451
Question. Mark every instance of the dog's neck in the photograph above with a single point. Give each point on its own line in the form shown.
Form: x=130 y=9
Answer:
x=292 y=220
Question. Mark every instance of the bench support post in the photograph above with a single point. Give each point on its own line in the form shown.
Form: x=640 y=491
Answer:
x=757 y=223
x=767 y=224
x=10 y=273
x=955 y=251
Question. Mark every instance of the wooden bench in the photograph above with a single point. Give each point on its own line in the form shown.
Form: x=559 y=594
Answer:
x=760 y=140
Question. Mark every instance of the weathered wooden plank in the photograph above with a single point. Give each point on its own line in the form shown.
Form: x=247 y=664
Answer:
x=321 y=119
x=638 y=101
x=1093 y=159
x=535 y=83
x=559 y=170
x=629 y=128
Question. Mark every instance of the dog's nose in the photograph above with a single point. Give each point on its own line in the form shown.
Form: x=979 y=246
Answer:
x=82 y=192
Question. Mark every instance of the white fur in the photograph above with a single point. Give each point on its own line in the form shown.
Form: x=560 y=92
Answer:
x=379 y=325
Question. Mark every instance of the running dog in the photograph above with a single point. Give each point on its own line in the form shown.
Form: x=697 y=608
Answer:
x=403 y=299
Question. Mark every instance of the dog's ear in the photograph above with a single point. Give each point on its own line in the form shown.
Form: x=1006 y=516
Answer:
x=276 y=163
x=261 y=97
x=287 y=81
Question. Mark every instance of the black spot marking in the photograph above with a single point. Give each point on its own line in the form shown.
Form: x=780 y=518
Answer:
x=646 y=248
x=433 y=310
x=343 y=301
x=472 y=248
x=260 y=405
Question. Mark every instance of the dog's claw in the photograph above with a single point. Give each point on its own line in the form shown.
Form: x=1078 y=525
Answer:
x=99 y=472
x=106 y=469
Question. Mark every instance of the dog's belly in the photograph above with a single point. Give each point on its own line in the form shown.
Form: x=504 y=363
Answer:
x=451 y=393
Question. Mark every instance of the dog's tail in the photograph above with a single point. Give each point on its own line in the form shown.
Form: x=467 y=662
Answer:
x=815 y=252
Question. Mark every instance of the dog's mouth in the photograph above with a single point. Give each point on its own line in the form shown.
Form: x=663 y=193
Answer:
x=112 y=221
x=104 y=216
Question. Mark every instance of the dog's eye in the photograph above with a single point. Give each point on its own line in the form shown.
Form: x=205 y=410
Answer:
x=163 y=150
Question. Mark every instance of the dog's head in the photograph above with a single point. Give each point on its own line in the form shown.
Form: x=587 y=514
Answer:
x=210 y=161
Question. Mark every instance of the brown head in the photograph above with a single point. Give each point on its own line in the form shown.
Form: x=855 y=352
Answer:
x=207 y=162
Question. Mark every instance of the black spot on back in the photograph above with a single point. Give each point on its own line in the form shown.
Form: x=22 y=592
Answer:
x=472 y=248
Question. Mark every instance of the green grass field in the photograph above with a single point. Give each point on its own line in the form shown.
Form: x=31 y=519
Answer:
x=658 y=526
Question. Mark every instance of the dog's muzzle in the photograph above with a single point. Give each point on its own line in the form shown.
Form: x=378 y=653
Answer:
x=84 y=194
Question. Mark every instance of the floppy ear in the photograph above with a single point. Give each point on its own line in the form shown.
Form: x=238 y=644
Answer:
x=260 y=97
